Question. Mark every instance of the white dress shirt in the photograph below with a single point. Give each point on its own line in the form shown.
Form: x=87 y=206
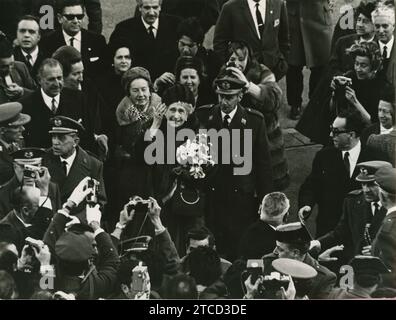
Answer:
x=384 y=130
x=388 y=45
x=262 y=9
x=353 y=156
x=76 y=42
x=373 y=207
x=69 y=161
x=33 y=54
x=48 y=100
x=155 y=25
x=231 y=115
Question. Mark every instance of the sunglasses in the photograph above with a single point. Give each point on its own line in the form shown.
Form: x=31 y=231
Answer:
x=71 y=17
x=336 y=131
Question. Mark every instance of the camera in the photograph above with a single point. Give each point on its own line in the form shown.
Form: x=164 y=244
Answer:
x=231 y=64
x=140 y=280
x=92 y=198
x=343 y=83
x=34 y=243
x=138 y=206
x=255 y=268
x=30 y=171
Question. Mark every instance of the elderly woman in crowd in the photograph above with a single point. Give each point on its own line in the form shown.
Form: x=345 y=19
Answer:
x=134 y=115
x=263 y=94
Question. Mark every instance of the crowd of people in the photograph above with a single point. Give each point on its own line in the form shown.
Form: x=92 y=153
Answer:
x=85 y=211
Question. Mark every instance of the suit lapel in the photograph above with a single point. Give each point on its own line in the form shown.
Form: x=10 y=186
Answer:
x=237 y=119
x=268 y=17
x=248 y=15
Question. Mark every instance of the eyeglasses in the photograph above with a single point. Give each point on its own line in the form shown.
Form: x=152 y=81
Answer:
x=71 y=17
x=336 y=131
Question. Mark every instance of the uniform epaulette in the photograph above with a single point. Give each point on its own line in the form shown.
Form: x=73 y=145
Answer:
x=255 y=112
x=355 y=192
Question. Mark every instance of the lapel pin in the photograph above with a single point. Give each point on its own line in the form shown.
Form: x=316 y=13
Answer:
x=243 y=121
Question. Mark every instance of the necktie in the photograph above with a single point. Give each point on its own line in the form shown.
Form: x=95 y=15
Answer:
x=53 y=105
x=226 y=122
x=347 y=164
x=376 y=222
x=29 y=60
x=259 y=19
x=64 y=167
x=151 y=32
x=385 y=53
x=72 y=41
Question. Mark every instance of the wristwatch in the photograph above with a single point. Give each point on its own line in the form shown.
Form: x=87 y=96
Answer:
x=120 y=226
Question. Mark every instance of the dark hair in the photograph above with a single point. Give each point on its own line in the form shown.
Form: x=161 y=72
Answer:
x=6 y=50
x=189 y=63
x=365 y=9
x=62 y=4
x=67 y=56
x=29 y=17
x=8 y=259
x=370 y=50
x=181 y=286
x=7 y=285
x=234 y=46
x=191 y=28
x=204 y=265
x=301 y=246
x=50 y=62
x=200 y=234
x=354 y=121
x=177 y=93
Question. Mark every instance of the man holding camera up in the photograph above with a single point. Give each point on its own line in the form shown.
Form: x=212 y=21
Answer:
x=68 y=163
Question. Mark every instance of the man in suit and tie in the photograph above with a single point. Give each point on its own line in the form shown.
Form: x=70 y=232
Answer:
x=151 y=38
x=384 y=22
x=361 y=218
x=333 y=173
x=67 y=162
x=233 y=187
x=384 y=245
x=92 y=46
x=27 y=49
x=262 y=24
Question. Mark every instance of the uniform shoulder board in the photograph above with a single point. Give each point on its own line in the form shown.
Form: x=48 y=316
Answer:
x=355 y=193
x=255 y=112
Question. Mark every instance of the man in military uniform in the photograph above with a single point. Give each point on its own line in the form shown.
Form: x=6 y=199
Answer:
x=232 y=196
x=67 y=162
x=293 y=241
x=12 y=123
x=384 y=245
x=362 y=216
x=366 y=276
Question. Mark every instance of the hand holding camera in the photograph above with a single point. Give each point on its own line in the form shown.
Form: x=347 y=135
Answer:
x=94 y=216
x=252 y=288
x=340 y=82
x=42 y=181
x=82 y=190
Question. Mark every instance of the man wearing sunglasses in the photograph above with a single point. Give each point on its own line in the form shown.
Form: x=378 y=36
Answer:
x=93 y=48
x=333 y=173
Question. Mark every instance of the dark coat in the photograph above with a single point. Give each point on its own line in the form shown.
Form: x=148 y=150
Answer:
x=93 y=50
x=384 y=247
x=33 y=70
x=84 y=165
x=71 y=104
x=236 y=23
x=258 y=240
x=311 y=29
x=350 y=229
x=6 y=166
x=156 y=56
x=7 y=190
x=327 y=185
x=384 y=146
x=21 y=76
x=232 y=203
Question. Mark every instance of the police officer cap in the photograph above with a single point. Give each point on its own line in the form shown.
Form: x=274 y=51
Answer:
x=369 y=168
x=74 y=247
x=294 y=268
x=293 y=233
x=386 y=179
x=226 y=83
x=10 y=115
x=368 y=265
x=65 y=125
x=31 y=156
x=134 y=245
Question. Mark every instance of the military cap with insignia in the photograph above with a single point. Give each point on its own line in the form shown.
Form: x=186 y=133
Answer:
x=65 y=125
x=74 y=247
x=10 y=115
x=293 y=233
x=30 y=156
x=369 y=265
x=386 y=179
x=369 y=168
x=294 y=268
x=227 y=83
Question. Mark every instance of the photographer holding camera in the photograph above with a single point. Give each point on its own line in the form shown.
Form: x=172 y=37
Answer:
x=83 y=270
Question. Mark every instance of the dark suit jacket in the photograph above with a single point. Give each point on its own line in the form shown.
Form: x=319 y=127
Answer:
x=33 y=70
x=327 y=185
x=84 y=165
x=350 y=229
x=384 y=247
x=21 y=76
x=158 y=56
x=236 y=23
x=71 y=104
x=93 y=50
x=6 y=166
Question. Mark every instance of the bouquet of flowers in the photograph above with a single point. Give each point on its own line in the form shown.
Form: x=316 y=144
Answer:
x=194 y=157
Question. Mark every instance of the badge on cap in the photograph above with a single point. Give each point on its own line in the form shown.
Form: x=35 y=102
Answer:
x=57 y=122
x=28 y=154
x=225 y=85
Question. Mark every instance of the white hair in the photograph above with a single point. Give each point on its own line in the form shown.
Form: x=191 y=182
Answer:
x=383 y=10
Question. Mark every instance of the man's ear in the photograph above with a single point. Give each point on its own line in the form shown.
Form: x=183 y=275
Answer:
x=76 y=140
x=60 y=17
